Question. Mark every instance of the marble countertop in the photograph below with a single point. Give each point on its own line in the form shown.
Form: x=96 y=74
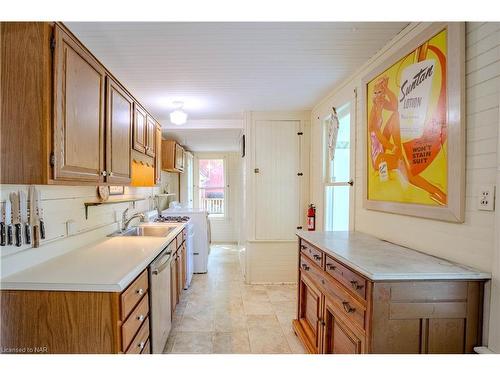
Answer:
x=109 y=265
x=381 y=260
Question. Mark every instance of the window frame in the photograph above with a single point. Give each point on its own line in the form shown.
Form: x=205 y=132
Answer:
x=196 y=182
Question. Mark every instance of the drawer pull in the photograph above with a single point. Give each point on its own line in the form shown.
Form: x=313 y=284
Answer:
x=331 y=266
x=303 y=247
x=305 y=267
x=140 y=291
x=140 y=318
x=355 y=285
x=317 y=257
x=141 y=345
x=348 y=309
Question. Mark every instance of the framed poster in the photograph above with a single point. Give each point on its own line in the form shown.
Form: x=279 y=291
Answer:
x=413 y=111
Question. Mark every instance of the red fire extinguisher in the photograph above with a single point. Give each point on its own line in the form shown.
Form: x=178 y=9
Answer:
x=311 y=217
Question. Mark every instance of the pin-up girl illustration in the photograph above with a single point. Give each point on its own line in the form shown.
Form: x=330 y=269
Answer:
x=388 y=152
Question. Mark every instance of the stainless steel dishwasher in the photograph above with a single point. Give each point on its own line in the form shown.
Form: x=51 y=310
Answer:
x=159 y=300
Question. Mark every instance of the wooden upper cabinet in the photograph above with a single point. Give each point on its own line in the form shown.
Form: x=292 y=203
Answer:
x=140 y=124
x=172 y=155
x=79 y=83
x=158 y=154
x=150 y=137
x=119 y=118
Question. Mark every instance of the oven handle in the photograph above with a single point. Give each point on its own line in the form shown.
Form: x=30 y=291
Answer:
x=161 y=266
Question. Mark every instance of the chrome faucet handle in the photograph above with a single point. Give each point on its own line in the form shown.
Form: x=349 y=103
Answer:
x=125 y=214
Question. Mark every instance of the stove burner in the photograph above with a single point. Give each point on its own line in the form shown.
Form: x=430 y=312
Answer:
x=171 y=219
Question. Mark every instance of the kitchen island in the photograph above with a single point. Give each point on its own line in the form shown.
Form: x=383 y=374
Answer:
x=359 y=294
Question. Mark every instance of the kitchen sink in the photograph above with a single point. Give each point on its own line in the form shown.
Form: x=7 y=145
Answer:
x=146 y=231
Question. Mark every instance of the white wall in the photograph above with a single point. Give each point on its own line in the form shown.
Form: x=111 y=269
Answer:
x=227 y=229
x=470 y=243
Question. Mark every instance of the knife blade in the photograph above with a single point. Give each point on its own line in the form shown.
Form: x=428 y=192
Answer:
x=39 y=211
x=16 y=217
x=33 y=215
x=3 y=239
x=24 y=216
x=8 y=220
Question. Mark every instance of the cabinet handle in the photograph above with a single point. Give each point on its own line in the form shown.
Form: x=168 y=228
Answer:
x=103 y=173
x=140 y=318
x=317 y=257
x=348 y=309
x=331 y=266
x=355 y=285
x=303 y=247
x=140 y=291
x=141 y=345
x=305 y=267
x=323 y=323
x=110 y=174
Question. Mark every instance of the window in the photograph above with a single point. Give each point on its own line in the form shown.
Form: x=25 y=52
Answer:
x=212 y=187
x=337 y=173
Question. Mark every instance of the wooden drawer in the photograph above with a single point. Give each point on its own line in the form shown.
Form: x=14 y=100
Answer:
x=133 y=294
x=140 y=341
x=134 y=321
x=314 y=254
x=351 y=280
x=344 y=302
x=147 y=348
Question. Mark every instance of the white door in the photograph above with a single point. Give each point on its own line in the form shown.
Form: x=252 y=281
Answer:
x=276 y=169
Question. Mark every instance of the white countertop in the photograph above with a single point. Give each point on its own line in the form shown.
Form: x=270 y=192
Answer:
x=108 y=265
x=381 y=260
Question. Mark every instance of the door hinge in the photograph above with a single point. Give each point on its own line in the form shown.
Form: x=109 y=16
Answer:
x=300 y=174
x=52 y=159
x=300 y=133
x=299 y=227
x=52 y=43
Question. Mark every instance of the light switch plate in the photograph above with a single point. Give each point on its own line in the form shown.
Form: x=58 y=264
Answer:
x=486 y=198
x=71 y=227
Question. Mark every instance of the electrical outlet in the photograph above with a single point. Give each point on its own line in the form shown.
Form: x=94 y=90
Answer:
x=486 y=198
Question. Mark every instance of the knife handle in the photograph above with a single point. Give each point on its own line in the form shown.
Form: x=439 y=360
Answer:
x=9 y=235
x=42 y=230
x=17 y=231
x=27 y=233
x=2 y=234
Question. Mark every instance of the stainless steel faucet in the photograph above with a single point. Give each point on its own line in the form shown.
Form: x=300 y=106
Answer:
x=126 y=221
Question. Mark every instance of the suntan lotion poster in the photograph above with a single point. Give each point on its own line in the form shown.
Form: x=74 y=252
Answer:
x=407 y=128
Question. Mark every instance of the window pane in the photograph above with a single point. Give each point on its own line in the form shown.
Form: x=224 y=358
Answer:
x=212 y=186
x=340 y=168
x=337 y=208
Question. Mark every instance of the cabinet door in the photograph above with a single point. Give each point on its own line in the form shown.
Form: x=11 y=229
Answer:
x=158 y=155
x=119 y=118
x=150 y=137
x=79 y=83
x=310 y=309
x=179 y=157
x=179 y=273
x=140 y=124
x=339 y=337
x=183 y=266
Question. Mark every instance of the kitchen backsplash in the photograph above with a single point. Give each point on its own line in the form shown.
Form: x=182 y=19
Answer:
x=65 y=204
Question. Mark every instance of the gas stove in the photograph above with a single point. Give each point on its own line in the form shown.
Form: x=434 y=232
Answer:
x=171 y=219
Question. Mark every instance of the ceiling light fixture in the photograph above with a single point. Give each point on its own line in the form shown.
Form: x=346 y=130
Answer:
x=178 y=116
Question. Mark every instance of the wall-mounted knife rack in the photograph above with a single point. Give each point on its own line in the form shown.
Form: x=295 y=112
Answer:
x=110 y=201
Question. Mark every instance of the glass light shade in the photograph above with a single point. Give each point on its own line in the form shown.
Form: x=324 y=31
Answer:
x=178 y=117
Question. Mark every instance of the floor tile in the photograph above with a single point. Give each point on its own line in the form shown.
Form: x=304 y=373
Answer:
x=231 y=342
x=193 y=342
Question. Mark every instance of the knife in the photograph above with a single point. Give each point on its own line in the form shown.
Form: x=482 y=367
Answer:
x=24 y=216
x=16 y=217
x=33 y=216
x=8 y=220
x=39 y=213
x=2 y=225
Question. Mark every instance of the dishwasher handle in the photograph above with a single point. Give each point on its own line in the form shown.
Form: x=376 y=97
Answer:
x=161 y=266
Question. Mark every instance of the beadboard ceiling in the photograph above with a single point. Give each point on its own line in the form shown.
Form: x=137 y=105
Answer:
x=221 y=70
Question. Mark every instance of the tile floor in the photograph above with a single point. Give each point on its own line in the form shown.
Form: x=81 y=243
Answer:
x=221 y=314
